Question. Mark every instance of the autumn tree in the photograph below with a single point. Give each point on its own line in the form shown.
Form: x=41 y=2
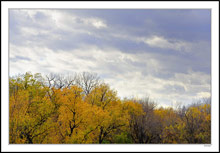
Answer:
x=58 y=109
x=144 y=127
x=198 y=124
x=191 y=124
x=29 y=110
x=110 y=117
x=87 y=81
x=74 y=115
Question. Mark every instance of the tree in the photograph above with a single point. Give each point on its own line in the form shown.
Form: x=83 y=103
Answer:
x=29 y=110
x=109 y=117
x=73 y=115
x=143 y=126
x=80 y=109
x=102 y=96
x=87 y=81
x=59 y=81
x=198 y=124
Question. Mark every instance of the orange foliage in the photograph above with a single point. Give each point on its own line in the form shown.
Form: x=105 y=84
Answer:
x=39 y=113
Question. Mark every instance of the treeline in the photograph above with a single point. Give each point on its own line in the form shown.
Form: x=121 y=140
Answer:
x=58 y=109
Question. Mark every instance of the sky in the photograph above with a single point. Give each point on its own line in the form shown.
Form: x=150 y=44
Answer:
x=161 y=54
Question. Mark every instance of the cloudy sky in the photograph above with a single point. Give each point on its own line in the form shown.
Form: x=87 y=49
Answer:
x=163 y=54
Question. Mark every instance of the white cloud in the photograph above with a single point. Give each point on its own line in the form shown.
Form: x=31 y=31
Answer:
x=69 y=21
x=120 y=70
x=30 y=12
x=203 y=95
x=97 y=23
x=123 y=71
x=161 y=42
x=161 y=90
x=30 y=31
x=138 y=74
x=57 y=20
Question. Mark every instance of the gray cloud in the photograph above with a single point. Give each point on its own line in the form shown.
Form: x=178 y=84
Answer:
x=163 y=54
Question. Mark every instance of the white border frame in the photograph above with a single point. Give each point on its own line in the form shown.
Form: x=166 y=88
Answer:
x=109 y=147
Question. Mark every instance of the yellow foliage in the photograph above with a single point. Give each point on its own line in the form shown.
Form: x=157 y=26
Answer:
x=48 y=115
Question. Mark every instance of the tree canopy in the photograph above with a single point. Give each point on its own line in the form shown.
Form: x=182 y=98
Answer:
x=83 y=109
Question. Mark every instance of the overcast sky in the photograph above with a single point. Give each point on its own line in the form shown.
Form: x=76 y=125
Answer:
x=163 y=54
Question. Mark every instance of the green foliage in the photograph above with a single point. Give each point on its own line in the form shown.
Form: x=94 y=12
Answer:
x=122 y=138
